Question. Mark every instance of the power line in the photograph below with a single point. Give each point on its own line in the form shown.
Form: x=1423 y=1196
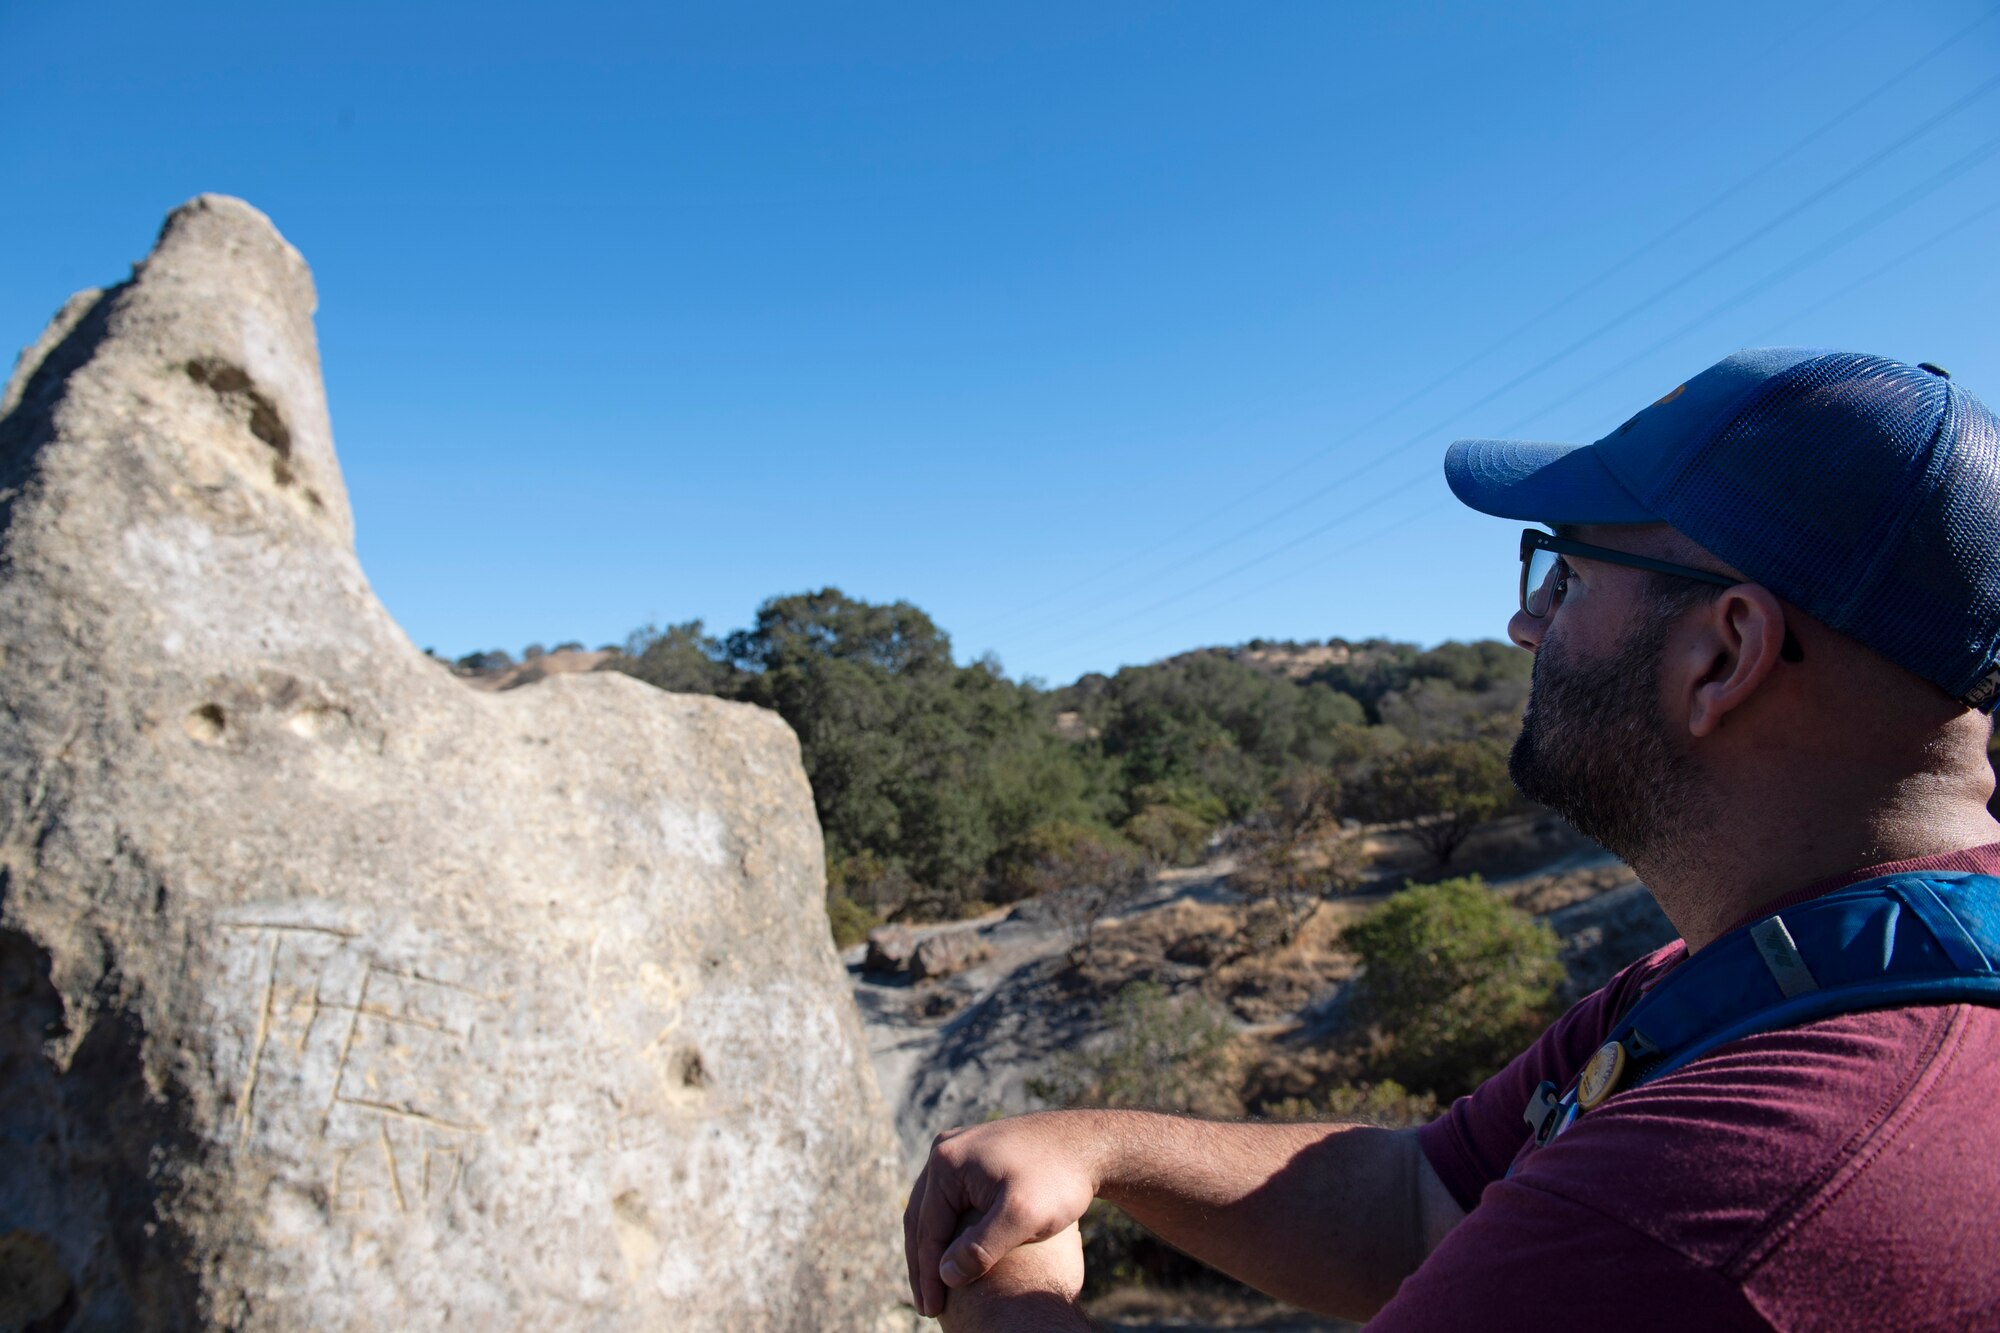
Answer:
x=1318 y=455
x=1320 y=561
x=1860 y=282
x=1254 y=561
x=1687 y=220
x=1626 y=316
x=1908 y=199
x=1325 y=558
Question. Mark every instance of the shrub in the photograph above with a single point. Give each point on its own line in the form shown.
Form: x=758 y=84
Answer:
x=1455 y=981
x=1169 y=834
x=850 y=921
x=1194 y=799
x=1063 y=854
x=1387 y=1103
x=881 y=888
x=1161 y=1051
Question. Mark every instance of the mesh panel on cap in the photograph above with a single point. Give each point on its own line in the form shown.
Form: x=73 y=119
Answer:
x=1867 y=493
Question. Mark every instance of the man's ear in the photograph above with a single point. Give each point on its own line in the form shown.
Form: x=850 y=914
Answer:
x=1742 y=634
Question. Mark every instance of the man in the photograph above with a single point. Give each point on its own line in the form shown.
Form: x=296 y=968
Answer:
x=1764 y=633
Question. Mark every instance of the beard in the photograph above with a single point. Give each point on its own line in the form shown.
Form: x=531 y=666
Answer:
x=1596 y=749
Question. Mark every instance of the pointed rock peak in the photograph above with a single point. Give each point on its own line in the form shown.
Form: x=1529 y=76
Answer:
x=208 y=350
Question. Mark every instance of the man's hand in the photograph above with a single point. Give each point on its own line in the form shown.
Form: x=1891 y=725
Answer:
x=1027 y=1179
x=1329 y=1217
x=1032 y=1290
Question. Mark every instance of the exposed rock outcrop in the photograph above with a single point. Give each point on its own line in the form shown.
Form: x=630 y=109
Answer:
x=947 y=952
x=335 y=994
x=889 y=949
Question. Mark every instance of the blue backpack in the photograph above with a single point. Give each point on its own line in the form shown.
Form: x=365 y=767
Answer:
x=1927 y=938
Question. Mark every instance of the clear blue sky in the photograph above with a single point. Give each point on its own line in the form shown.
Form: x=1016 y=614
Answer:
x=1068 y=323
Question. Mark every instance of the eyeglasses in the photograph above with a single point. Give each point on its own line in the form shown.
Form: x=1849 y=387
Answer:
x=1545 y=575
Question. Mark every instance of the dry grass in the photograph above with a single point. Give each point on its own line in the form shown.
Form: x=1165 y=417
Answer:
x=1542 y=894
x=1227 y=950
x=1143 y=1309
x=1515 y=845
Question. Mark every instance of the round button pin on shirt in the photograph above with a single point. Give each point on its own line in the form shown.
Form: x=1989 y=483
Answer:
x=1601 y=1075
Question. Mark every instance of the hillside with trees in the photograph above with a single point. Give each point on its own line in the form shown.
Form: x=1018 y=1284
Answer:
x=944 y=789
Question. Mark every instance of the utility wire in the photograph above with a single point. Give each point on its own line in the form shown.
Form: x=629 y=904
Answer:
x=1626 y=316
x=1618 y=266
x=1256 y=560
x=1860 y=282
x=1908 y=199
x=1320 y=561
x=1318 y=455
x=1324 y=558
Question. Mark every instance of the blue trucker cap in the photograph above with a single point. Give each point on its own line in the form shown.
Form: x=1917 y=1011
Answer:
x=1863 y=491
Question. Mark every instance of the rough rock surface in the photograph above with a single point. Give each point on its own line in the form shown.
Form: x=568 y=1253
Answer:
x=947 y=952
x=335 y=994
x=889 y=949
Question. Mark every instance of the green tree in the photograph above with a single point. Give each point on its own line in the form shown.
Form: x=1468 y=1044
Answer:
x=1455 y=981
x=681 y=658
x=1204 y=722
x=1296 y=856
x=934 y=770
x=1442 y=792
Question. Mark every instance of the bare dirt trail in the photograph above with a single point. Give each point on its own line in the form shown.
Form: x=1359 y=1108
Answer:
x=964 y=1048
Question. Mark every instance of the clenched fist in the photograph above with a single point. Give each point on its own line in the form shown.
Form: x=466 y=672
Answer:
x=1023 y=1180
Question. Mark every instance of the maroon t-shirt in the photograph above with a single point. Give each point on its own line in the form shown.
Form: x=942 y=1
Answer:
x=1841 y=1175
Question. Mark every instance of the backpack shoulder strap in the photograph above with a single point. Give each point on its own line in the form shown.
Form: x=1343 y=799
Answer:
x=1930 y=937
x=1925 y=938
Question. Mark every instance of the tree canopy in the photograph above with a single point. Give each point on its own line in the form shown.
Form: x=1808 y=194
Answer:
x=942 y=786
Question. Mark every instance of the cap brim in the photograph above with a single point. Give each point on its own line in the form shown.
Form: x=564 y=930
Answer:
x=1540 y=482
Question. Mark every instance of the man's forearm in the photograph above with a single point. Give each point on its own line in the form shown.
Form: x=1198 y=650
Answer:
x=1328 y=1217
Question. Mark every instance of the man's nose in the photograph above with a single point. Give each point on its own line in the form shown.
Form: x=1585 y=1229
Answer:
x=1526 y=630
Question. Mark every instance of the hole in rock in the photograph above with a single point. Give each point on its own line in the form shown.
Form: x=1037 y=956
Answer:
x=689 y=1069
x=205 y=724
x=239 y=393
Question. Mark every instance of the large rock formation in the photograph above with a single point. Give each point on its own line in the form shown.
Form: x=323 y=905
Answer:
x=335 y=994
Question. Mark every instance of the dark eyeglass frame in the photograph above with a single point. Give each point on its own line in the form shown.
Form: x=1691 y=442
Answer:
x=1534 y=539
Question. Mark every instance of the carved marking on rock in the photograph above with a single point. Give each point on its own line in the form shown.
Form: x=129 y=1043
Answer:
x=410 y=1113
x=336 y=1195
x=257 y=1045
x=389 y=1159
x=346 y=1048
x=402 y=1076
x=440 y=1184
x=290 y=926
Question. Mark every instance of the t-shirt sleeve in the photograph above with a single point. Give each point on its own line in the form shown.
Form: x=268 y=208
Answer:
x=1471 y=1144
x=1527 y=1259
